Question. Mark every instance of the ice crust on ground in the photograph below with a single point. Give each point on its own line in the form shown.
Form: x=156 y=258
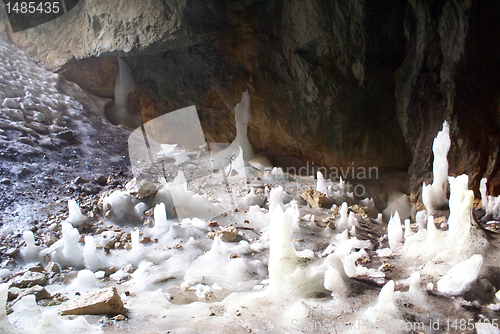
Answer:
x=434 y=195
x=461 y=275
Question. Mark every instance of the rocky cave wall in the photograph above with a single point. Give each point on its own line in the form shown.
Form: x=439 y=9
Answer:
x=336 y=83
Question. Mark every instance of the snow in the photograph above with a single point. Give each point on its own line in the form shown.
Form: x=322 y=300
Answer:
x=460 y=276
x=434 y=195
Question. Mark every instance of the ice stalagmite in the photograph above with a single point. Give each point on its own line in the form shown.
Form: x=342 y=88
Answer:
x=434 y=195
x=395 y=232
x=321 y=184
x=119 y=113
x=243 y=117
x=75 y=216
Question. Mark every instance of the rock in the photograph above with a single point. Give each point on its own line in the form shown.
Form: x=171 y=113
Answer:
x=53 y=268
x=49 y=239
x=11 y=251
x=360 y=210
x=37 y=290
x=212 y=223
x=386 y=267
x=145 y=240
x=48 y=302
x=105 y=301
x=141 y=189
x=119 y=317
x=66 y=135
x=314 y=197
x=36 y=268
x=13 y=293
x=101 y=180
x=227 y=234
x=29 y=278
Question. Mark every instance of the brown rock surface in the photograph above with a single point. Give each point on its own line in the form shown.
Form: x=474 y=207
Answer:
x=105 y=301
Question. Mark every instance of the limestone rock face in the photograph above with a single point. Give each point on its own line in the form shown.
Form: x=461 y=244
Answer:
x=337 y=83
x=105 y=301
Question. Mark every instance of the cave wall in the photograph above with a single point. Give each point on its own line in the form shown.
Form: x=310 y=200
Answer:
x=337 y=83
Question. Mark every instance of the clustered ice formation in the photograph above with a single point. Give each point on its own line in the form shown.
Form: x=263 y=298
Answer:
x=221 y=274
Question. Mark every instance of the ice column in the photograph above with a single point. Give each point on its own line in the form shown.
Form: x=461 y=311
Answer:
x=434 y=195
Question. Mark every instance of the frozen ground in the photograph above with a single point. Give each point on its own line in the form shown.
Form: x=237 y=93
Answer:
x=286 y=267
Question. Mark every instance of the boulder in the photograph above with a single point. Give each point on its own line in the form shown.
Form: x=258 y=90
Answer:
x=29 y=278
x=105 y=301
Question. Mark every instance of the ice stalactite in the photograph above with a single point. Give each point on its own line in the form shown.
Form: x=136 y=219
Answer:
x=434 y=195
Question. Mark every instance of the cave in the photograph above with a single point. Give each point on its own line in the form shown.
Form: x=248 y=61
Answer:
x=250 y=165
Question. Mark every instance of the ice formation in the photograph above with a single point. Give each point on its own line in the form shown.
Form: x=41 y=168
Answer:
x=243 y=117
x=461 y=275
x=171 y=151
x=395 y=232
x=321 y=184
x=31 y=251
x=188 y=204
x=490 y=204
x=386 y=307
x=66 y=251
x=75 y=216
x=119 y=113
x=434 y=195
